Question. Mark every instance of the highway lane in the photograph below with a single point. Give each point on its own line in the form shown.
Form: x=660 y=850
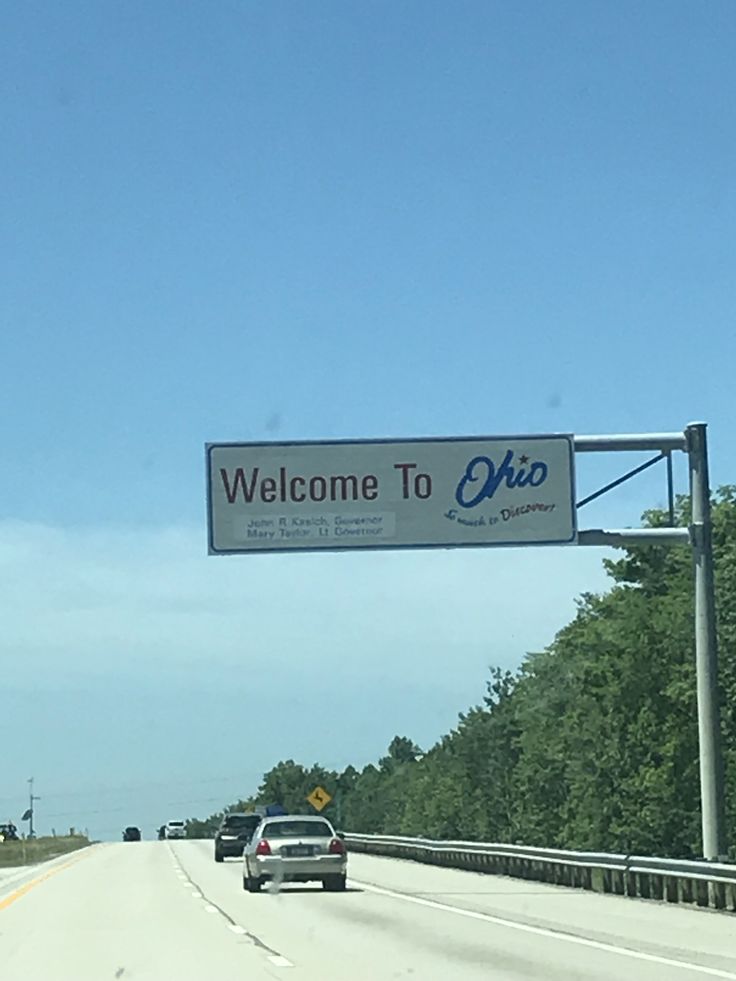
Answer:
x=402 y=919
x=158 y=910
x=119 y=912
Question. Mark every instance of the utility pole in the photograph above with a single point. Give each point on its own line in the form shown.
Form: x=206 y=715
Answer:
x=338 y=807
x=31 y=799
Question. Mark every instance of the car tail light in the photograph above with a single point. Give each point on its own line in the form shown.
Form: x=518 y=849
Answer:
x=263 y=847
x=337 y=847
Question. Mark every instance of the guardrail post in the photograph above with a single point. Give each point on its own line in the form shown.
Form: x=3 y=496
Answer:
x=717 y=895
x=702 y=897
x=730 y=897
x=641 y=885
x=671 y=891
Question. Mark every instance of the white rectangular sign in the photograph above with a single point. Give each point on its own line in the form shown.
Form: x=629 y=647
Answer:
x=417 y=493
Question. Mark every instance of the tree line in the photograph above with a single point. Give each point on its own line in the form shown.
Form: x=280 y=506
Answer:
x=591 y=744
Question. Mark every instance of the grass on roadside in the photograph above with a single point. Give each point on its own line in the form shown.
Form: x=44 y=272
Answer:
x=29 y=852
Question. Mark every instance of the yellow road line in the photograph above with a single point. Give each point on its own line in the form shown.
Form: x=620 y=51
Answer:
x=14 y=896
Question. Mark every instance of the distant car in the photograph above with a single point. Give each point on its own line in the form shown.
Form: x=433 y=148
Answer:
x=175 y=829
x=234 y=833
x=8 y=832
x=295 y=849
x=132 y=834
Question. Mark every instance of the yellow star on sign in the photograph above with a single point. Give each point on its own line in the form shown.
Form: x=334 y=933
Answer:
x=319 y=798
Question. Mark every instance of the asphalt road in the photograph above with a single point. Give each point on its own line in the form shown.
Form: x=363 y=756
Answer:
x=159 y=910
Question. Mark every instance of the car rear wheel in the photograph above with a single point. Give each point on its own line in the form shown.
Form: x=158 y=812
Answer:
x=219 y=857
x=334 y=883
x=251 y=884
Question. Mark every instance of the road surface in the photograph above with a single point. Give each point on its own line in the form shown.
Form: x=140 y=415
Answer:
x=163 y=910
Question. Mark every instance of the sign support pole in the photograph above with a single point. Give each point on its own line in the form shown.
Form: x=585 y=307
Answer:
x=699 y=536
x=706 y=649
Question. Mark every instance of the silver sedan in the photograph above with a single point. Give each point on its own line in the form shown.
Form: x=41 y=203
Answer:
x=295 y=849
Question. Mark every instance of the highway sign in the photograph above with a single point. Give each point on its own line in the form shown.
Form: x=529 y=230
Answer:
x=319 y=798
x=378 y=494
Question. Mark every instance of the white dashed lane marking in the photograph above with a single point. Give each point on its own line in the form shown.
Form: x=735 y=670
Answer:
x=278 y=961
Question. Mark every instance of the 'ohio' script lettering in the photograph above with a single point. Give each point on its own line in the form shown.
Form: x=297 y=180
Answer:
x=481 y=473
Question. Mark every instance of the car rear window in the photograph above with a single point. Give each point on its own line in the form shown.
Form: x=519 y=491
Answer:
x=297 y=829
x=176 y=824
x=241 y=821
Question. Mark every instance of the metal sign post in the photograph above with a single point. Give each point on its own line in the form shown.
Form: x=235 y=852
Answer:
x=706 y=649
x=699 y=535
x=474 y=492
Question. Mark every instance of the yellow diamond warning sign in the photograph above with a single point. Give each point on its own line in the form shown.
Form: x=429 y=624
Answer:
x=319 y=798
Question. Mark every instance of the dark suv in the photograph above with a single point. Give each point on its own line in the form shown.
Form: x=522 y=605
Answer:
x=132 y=834
x=234 y=834
x=8 y=832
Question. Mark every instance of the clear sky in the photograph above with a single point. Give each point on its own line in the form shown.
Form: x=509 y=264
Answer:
x=244 y=220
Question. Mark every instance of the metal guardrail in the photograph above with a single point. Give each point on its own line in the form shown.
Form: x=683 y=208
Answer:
x=675 y=881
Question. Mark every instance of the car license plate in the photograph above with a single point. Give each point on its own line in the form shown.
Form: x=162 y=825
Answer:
x=299 y=851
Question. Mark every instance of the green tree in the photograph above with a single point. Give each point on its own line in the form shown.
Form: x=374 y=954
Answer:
x=289 y=783
x=400 y=751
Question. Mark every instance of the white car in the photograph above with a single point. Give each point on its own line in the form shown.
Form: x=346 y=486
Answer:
x=175 y=829
x=295 y=848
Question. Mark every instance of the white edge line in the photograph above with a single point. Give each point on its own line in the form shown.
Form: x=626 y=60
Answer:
x=712 y=972
x=278 y=961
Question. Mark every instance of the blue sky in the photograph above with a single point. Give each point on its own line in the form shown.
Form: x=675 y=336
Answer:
x=314 y=220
